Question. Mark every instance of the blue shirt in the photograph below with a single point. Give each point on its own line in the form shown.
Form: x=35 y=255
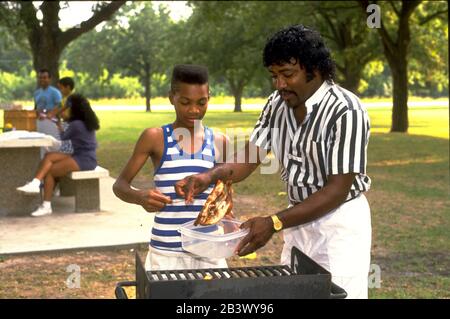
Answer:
x=47 y=98
x=84 y=142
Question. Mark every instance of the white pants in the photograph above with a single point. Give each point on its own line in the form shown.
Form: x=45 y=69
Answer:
x=162 y=260
x=340 y=242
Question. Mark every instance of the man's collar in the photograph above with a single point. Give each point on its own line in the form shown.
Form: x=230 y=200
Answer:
x=317 y=96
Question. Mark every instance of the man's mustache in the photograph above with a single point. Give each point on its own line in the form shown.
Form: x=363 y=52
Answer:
x=286 y=91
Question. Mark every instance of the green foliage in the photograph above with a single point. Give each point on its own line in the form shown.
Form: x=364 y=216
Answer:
x=352 y=43
x=217 y=39
x=16 y=87
x=14 y=56
x=229 y=37
x=131 y=52
x=375 y=80
x=92 y=52
x=428 y=67
x=143 y=42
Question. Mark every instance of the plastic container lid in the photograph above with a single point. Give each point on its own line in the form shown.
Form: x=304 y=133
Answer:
x=210 y=232
x=213 y=241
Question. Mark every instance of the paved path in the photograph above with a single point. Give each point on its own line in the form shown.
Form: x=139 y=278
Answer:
x=118 y=223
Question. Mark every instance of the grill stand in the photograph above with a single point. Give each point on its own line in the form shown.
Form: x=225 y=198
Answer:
x=242 y=282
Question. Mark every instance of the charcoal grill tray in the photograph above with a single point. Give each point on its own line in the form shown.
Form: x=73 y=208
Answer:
x=304 y=279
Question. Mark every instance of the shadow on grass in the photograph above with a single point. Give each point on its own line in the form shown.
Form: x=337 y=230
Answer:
x=415 y=165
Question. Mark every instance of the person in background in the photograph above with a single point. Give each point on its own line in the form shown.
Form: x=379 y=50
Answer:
x=47 y=101
x=81 y=131
x=66 y=86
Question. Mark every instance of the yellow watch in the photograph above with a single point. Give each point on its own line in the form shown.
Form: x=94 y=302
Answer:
x=277 y=224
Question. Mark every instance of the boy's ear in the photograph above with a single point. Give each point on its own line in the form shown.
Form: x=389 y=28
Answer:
x=171 y=97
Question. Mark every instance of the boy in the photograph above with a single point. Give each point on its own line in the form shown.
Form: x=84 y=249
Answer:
x=65 y=86
x=180 y=149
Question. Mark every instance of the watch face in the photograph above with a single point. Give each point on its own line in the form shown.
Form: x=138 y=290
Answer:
x=277 y=226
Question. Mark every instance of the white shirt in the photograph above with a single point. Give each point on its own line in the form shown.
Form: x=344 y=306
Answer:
x=332 y=140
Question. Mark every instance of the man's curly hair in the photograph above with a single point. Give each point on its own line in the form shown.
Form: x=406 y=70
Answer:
x=304 y=45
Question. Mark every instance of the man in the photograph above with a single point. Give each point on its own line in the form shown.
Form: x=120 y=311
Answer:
x=319 y=133
x=47 y=101
x=176 y=150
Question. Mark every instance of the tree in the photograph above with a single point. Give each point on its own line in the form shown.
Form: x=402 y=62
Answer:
x=13 y=56
x=395 y=35
x=344 y=28
x=428 y=62
x=45 y=37
x=93 y=52
x=148 y=51
x=234 y=34
x=218 y=35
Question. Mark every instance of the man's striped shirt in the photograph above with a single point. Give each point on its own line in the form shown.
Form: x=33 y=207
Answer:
x=332 y=140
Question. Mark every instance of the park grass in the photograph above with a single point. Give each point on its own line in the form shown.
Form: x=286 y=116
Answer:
x=424 y=120
x=409 y=196
x=162 y=100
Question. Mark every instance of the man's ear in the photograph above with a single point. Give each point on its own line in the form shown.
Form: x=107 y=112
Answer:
x=171 y=96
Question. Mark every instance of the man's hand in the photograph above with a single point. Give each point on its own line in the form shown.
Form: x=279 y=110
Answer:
x=192 y=185
x=152 y=200
x=53 y=113
x=261 y=230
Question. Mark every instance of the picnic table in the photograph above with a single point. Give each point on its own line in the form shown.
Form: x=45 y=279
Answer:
x=19 y=160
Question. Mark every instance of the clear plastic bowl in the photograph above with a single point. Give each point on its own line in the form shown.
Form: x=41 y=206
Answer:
x=214 y=241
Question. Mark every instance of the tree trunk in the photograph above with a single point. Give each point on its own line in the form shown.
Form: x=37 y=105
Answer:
x=236 y=90
x=237 y=102
x=351 y=79
x=396 y=52
x=46 y=57
x=400 y=98
x=46 y=39
x=147 y=85
x=397 y=57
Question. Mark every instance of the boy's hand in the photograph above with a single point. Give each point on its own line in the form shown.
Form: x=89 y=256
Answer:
x=59 y=126
x=153 y=200
x=192 y=185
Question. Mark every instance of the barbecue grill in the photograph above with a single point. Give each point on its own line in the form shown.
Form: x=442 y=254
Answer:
x=303 y=279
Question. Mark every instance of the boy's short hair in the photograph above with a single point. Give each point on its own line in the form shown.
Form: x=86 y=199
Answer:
x=188 y=73
x=67 y=81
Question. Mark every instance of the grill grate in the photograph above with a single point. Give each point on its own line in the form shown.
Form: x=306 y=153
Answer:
x=220 y=273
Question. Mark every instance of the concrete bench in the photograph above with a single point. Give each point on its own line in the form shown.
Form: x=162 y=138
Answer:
x=85 y=186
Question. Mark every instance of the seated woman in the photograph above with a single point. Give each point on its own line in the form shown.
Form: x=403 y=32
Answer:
x=81 y=131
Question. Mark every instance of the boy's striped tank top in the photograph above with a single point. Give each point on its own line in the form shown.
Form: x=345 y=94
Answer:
x=176 y=165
